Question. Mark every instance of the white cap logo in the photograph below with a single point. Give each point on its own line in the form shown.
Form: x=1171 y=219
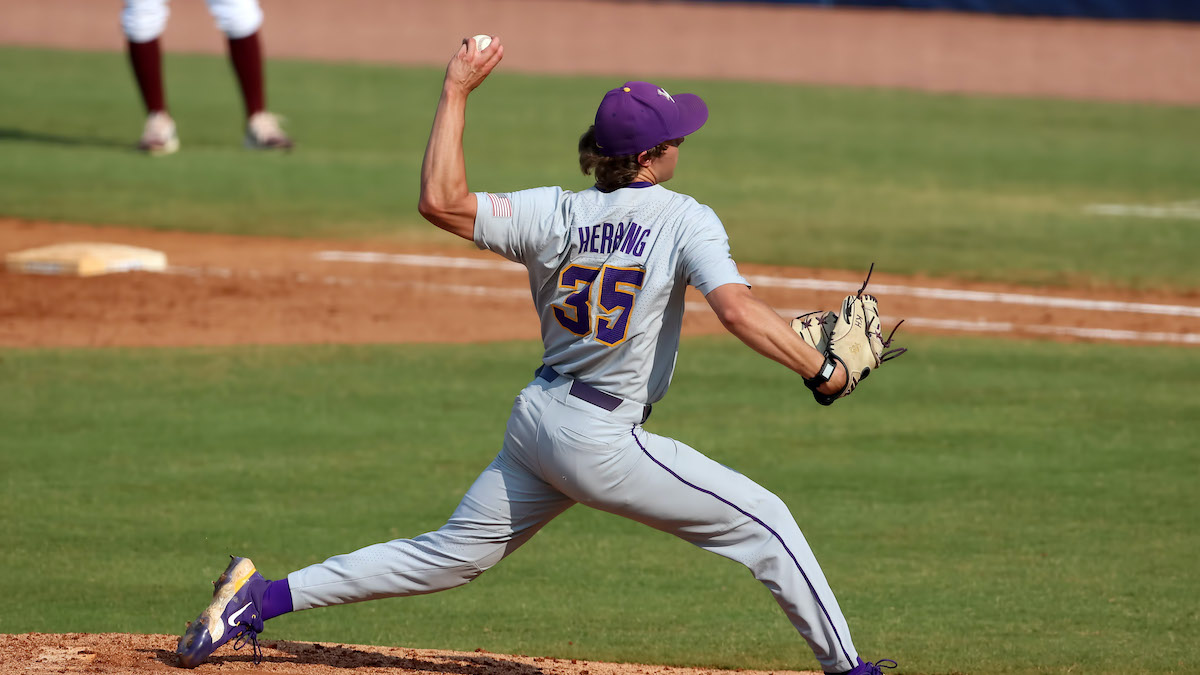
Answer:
x=663 y=93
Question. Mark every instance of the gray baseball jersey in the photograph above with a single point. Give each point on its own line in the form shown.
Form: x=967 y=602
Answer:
x=608 y=273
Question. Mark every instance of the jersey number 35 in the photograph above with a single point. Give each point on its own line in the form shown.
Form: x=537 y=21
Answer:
x=616 y=283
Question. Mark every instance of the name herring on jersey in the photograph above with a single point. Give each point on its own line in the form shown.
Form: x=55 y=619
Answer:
x=606 y=238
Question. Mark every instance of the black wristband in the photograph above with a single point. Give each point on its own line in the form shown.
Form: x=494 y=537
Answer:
x=823 y=375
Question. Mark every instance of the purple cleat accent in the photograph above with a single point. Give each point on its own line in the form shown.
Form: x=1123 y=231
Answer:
x=235 y=612
x=864 y=668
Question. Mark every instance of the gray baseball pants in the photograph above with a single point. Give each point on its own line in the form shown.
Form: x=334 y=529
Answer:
x=560 y=449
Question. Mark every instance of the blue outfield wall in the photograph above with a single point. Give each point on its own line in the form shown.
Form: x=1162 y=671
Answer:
x=1170 y=10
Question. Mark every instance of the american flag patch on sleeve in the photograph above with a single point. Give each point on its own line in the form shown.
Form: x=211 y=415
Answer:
x=501 y=206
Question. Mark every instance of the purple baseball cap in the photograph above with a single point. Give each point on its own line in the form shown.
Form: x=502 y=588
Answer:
x=637 y=116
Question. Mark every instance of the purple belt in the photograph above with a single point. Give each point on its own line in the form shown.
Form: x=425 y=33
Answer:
x=586 y=392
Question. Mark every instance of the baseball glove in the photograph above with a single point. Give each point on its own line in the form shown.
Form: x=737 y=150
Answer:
x=854 y=338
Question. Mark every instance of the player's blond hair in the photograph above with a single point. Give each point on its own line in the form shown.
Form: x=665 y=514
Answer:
x=612 y=173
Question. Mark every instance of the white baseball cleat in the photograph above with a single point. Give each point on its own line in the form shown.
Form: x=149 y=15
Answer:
x=263 y=132
x=158 y=136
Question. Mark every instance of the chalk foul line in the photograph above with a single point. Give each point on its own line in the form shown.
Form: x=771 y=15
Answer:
x=1027 y=299
x=958 y=325
x=410 y=260
x=1189 y=210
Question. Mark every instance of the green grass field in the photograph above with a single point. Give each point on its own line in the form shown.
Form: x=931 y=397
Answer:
x=979 y=188
x=973 y=514
x=982 y=507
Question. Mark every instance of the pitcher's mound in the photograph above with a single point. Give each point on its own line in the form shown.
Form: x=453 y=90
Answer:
x=101 y=653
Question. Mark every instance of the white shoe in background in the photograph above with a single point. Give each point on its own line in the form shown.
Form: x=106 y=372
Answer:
x=264 y=133
x=158 y=136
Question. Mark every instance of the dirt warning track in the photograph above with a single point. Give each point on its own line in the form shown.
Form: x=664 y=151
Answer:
x=1144 y=61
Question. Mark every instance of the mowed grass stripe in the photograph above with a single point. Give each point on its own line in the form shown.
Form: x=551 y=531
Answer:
x=979 y=506
x=971 y=187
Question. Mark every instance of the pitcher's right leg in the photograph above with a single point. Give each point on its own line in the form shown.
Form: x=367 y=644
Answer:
x=669 y=486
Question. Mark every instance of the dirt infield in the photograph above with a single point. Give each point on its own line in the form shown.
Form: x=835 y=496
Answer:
x=225 y=290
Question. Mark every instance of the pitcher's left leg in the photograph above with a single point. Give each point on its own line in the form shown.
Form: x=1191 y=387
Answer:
x=503 y=508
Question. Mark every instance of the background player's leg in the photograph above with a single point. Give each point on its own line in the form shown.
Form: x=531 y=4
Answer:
x=240 y=21
x=504 y=508
x=665 y=484
x=143 y=22
x=246 y=56
x=146 y=60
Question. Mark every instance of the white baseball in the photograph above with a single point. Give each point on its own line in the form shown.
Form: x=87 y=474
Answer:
x=482 y=41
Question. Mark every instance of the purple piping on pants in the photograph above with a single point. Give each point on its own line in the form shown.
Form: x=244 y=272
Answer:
x=768 y=528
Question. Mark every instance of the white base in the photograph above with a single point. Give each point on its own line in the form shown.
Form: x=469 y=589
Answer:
x=85 y=259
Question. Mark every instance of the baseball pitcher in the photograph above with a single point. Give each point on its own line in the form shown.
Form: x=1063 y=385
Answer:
x=607 y=267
